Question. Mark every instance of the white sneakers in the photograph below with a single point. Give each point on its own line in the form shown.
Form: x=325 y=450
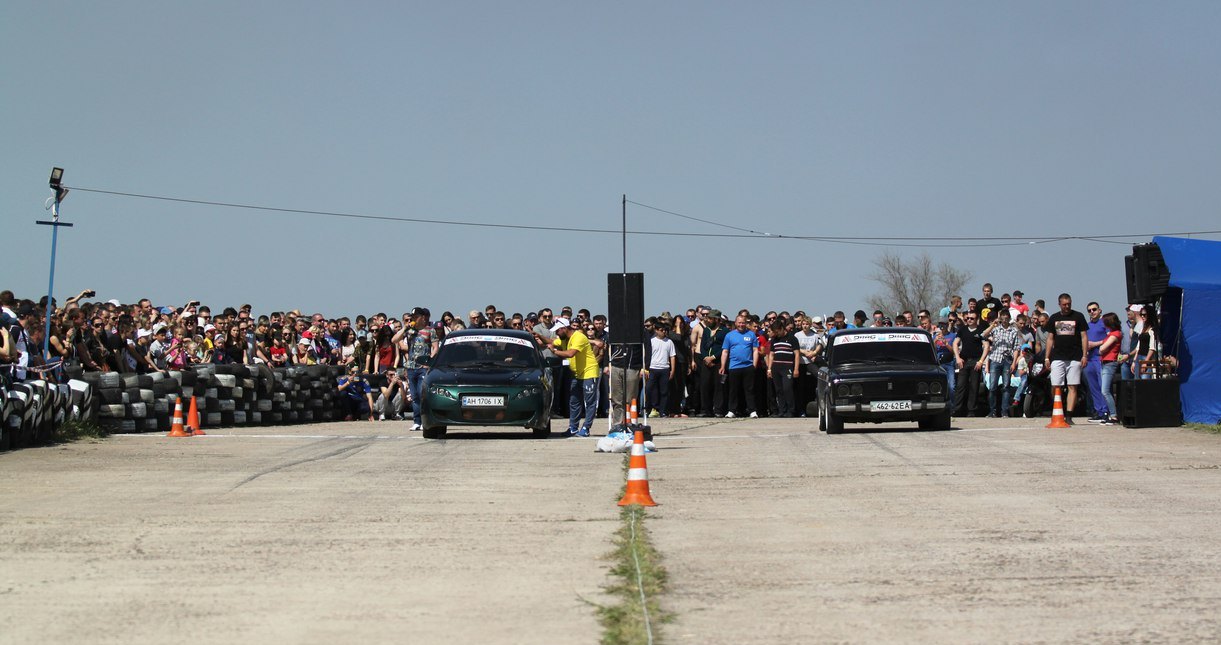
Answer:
x=415 y=426
x=754 y=415
x=728 y=415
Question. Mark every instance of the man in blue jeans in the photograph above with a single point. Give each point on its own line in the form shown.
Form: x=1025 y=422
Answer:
x=1095 y=334
x=571 y=343
x=1001 y=345
x=421 y=340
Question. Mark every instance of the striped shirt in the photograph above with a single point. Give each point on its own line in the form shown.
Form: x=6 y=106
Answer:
x=784 y=350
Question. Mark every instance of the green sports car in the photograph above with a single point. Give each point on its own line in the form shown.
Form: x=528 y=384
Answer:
x=483 y=377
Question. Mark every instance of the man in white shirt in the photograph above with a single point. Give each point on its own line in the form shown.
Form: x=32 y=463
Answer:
x=660 y=371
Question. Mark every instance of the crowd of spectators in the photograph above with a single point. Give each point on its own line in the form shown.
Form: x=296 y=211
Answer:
x=699 y=362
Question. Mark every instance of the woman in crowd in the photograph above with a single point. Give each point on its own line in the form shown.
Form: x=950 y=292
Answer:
x=347 y=347
x=277 y=351
x=1109 y=353
x=384 y=355
x=235 y=344
x=1147 y=345
x=680 y=335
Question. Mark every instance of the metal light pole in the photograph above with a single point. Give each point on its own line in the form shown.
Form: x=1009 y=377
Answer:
x=57 y=175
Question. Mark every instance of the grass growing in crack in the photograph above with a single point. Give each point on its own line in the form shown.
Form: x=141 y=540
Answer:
x=624 y=622
x=75 y=430
x=1204 y=427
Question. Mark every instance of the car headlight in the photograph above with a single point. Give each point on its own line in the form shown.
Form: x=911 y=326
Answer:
x=843 y=390
x=857 y=390
x=443 y=392
x=922 y=388
x=527 y=392
x=936 y=387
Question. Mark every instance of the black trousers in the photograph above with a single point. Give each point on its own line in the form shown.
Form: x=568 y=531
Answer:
x=967 y=387
x=711 y=390
x=741 y=382
x=782 y=383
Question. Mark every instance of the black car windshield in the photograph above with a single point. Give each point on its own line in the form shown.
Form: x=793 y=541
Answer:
x=882 y=347
x=486 y=351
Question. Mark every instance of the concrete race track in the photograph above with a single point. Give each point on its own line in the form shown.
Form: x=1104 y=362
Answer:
x=997 y=531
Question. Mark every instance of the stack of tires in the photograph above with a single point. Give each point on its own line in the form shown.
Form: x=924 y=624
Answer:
x=226 y=395
x=30 y=411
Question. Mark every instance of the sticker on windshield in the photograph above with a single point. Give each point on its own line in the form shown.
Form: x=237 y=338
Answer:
x=884 y=337
x=487 y=339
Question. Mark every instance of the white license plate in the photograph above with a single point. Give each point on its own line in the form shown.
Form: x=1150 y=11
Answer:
x=890 y=406
x=483 y=401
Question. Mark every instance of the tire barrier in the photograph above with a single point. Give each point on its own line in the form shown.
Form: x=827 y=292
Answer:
x=227 y=395
x=34 y=409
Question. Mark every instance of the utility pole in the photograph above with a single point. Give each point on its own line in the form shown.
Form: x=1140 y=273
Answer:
x=56 y=182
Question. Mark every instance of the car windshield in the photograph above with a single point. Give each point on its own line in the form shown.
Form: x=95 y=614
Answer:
x=888 y=347
x=486 y=352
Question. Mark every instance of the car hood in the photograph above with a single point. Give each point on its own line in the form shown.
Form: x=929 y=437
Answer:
x=861 y=370
x=483 y=376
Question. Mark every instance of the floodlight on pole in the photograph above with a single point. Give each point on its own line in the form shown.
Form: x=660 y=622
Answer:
x=56 y=183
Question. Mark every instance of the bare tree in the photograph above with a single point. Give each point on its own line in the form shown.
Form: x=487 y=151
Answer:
x=914 y=284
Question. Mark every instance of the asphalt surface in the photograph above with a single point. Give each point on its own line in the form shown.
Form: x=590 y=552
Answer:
x=997 y=531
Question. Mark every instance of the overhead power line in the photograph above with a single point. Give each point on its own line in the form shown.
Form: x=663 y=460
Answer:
x=743 y=233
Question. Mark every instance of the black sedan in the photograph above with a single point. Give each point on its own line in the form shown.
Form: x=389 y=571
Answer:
x=875 y=375
x=482 y=377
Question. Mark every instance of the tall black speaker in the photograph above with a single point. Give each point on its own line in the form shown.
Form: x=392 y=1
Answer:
x=625 y=308
x=1150 y=403
x=1147 y=273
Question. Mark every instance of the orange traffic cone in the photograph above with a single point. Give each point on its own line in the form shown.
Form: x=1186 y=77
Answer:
x=193 y=419
x=176 y=429
x=1057 y=412
x=632 y=416
x=637 y=476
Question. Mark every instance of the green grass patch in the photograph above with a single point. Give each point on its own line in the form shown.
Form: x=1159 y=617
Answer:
x=1204 y=427
x=69 y=431
x=636 y=571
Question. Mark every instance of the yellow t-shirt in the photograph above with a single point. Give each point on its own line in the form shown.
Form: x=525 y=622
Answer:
x=585 y=364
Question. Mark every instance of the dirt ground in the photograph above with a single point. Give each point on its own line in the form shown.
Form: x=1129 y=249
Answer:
x=997 y=531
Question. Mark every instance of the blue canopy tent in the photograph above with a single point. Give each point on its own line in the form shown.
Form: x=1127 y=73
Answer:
x=1191 y=323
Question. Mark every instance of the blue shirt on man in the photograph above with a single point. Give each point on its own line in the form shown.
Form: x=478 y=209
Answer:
x=741 y=348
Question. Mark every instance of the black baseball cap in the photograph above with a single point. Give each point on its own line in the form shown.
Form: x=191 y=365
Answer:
x=421 y=311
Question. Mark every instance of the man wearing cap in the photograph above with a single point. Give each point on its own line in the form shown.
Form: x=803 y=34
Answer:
x=421 y=342
x=572 y=344
x=160 y=345
x=1130 y=340
x=1021 y=307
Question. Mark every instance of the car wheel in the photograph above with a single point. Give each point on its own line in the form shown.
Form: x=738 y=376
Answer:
x=435 y=432
x=835 y=423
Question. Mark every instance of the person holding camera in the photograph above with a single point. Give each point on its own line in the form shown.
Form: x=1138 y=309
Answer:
x=393 y=399
x=356 y=395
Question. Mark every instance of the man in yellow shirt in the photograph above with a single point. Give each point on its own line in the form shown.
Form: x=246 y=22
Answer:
x=581 y=352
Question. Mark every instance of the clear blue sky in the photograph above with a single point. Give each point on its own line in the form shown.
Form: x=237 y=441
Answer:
x=842 y=119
